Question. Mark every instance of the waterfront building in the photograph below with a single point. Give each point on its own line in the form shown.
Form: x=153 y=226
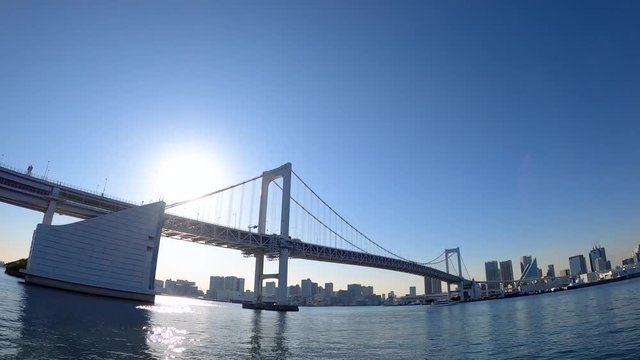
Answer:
x=492 y=275
x=524 y=261
x=636 y=254
x=225 y=288
x=269 y=290
x=551 y=271
x=629 y=261
x=412 y=291
x=432 y=286
x=391 y=295
x=529 y=268
x=328 y=290
x=596 y=255
x=309 y=289
x=565 y=272
x=158 y=285
x=181 y=288
x=506 y=271
x=578 y=265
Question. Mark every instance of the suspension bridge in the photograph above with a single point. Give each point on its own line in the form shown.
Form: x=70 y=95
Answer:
x=275 y=215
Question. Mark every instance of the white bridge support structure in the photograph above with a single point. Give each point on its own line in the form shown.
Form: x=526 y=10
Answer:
x=283 y=172
x=461 y=284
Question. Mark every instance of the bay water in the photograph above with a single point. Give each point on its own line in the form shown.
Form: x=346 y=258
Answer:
x=601 y=322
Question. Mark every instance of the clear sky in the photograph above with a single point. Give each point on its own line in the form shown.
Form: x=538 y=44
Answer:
x=506 y=128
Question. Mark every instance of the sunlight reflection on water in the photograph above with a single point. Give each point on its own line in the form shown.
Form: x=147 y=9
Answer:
x=39 y=323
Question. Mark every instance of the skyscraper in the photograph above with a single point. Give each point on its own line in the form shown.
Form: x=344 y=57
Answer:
x=524 y=261
x=492 y=275
x=595 y=255
x=412 y=291
x=529 y=268
x=551 y=271
x=216 y=284
x=578 y=265
x=506 y=271
x=432 y=286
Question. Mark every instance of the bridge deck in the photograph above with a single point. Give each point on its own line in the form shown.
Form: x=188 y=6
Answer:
x=35 y=193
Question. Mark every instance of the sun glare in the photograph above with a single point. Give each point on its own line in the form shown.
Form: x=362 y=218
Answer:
x=186 y=174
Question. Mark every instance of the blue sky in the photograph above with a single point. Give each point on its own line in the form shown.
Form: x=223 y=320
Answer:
x=505 y=128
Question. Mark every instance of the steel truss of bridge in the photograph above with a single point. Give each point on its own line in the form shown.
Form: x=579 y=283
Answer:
x=37 y=193
x=252 y=243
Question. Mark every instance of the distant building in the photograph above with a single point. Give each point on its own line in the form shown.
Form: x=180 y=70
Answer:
x=225 y=288
x=598 y=259
x=181 y=288
x=578 y=265
x=492 y=275
x=328 y=290
x=412 y=291
x=391 y=295
x=629 y=261
x=524 y=261
x=158 y=285
x=565 y=272
x=551 y=271
x=529 y=268
x=506 y=271
x=269 y=289
x=309 y=290
x=432 y=286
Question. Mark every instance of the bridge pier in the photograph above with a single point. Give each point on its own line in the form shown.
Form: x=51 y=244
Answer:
x=257 y=282
x=283 y=264
x=283 y=172
x=51 y=207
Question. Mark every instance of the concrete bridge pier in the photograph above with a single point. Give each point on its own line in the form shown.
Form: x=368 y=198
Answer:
x=51 y=208
x=283 y=172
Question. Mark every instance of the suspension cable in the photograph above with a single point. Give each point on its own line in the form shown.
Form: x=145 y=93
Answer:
x=211 y=193
x=347 y=222
x=322 y=223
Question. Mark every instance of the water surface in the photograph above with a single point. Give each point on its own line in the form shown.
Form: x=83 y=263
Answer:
x=592 y=323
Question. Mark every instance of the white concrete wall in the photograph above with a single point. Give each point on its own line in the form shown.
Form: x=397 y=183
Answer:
x=117 y=251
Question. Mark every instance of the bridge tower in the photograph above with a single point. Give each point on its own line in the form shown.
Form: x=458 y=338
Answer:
x=283 y=172
x=461 y=285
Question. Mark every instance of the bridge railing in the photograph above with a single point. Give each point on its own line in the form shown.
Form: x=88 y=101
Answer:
x=67 y=185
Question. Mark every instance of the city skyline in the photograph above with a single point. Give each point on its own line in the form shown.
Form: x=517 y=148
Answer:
x=429 y=126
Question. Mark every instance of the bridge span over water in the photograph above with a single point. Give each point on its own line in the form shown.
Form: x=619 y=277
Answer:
x=40 y=194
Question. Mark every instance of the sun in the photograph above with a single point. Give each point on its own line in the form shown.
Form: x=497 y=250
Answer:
x=184 y=174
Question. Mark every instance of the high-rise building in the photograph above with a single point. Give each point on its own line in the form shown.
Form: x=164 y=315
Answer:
x=492 y=275
x=216 y=285
x=578 y=265
x=551 y=271
x=506 y=271
x=524 y=261
x=241 y=284
x=308 y=288
x=432 y=286
x=595 y=255
x=231 y=283
x=412 y=291
x=565 y=272
x=269 y=289
x=328 y=290
x=529 y=268
x=355 y=291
